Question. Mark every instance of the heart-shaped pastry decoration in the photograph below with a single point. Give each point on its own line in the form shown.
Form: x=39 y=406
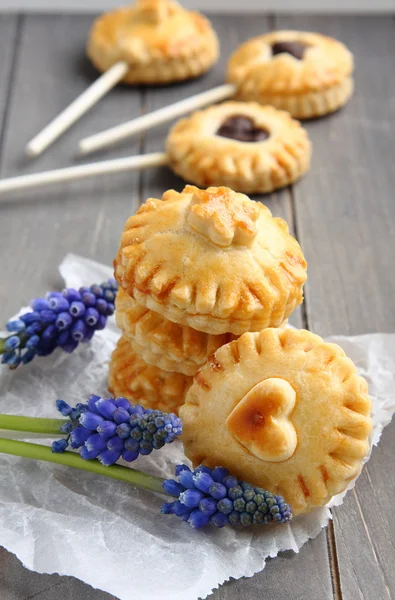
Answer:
x=261 y=420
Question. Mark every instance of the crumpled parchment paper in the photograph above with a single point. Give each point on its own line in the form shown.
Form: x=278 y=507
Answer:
x=111 y=535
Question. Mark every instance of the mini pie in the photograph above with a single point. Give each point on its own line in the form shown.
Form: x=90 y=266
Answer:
x=161 y=41
x=282 y=410
x=130 y=377
x=307 y=74
x=211 y=259
x=161 y=342
x=245 y=146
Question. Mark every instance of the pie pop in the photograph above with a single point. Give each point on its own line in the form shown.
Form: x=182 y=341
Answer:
x=245 y=146
x=307 y=74
x=150 y=42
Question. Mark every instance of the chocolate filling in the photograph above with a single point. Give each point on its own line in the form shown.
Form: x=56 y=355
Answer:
x=243 y=129
x=295 y=49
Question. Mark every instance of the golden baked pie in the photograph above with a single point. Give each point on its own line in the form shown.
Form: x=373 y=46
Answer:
x=307 y=74
x=211 y=259
x=282 y=410
x=161 y=41
x=245 y=146
x=130 y=377
x=161 y=342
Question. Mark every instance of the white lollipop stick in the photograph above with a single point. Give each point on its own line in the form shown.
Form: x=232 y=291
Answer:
x=76 y=109
x=119 y=165
x=163 y=115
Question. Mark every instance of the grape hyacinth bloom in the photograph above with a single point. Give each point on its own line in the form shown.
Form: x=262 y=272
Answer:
x=60 y=320
x=213 y=496
x=108 y=429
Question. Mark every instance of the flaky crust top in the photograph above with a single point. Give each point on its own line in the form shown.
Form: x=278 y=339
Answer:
x=325 y=63
x=281 y=409
x=211 y=259
x=150 y=31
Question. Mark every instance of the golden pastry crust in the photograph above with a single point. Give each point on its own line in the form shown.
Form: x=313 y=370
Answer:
x=283 y=410
x=161 y=41
x=161 y=342
x=199 y=155
x=319 y=83
x=213 y=260
x=130 y=377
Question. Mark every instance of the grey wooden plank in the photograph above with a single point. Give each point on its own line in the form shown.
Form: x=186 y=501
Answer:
x=8 y=33
x=17 y=583
x=290 y=574
x=38 y=227
x=345 y=214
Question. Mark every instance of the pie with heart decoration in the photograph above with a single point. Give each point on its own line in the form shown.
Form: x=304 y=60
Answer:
x=283 y=410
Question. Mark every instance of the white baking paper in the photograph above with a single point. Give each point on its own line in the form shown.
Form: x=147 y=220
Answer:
x=111 y=535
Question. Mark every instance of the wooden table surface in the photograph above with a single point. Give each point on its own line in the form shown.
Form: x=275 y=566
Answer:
x=343 y=213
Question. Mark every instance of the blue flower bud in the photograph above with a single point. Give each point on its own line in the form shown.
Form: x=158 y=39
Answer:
x=101 y=306
x=77 y=309
x=235 y=492
x=97 y=290
x=203 y=481
x=234 y=518
x=66 y=427
x=208 y=506
x=191 y=497
x=121 y=415
x=89 y=299
x=12 y=343
x=28 y=356
x=180 y=468
x=131 y=444
x=91 y=420
x=225 y=506
x=186 y=479
x=59 y=445
x=63 y=321
x=70 y=346
x=229 y=481
x=123 y=403
x=130 y=455
x=95 y=443
x=39 y=304
x=167 y=508
x=15 y=326
x=64 y=338
x=219 y=474
x=89 y=333
x=92 y=403
x=109 y=457
x=180 y=509
x=107 y=429
x=63 y=408
x=32 y=342
x=47 y=317
x=86 y=455
x=33 y=328
x=101 y=323
x=106 y=408
x=172 y=487
x=49 y=333
x=123 y=430
x=78 y=330
x=78 y=437
x=71 y=295
x=115 y=444
x=219 y=519
x=110 y=309
x=245 y=518
x=197 y=519
x=30 y=317
x=58 y=303
x=91 y=317
x=217 y=491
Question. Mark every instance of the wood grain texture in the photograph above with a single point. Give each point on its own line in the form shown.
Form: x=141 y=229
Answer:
x=346 y=214
x=38 y=227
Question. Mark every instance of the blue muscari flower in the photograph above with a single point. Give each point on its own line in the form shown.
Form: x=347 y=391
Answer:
x=214 y=496
x=60 y=320
x=108 y=429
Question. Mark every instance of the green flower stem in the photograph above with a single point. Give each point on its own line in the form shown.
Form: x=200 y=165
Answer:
x=70 y=459
x=31 y=424
x=2 y=345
